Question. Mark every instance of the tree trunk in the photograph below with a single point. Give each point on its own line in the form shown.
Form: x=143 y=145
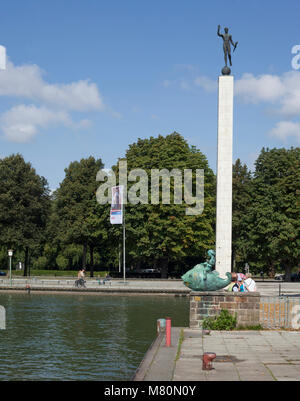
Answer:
x=271 y=270
x=84 y=256
x=164 y=268
x=233 y=261
x=91 y=261
x=26 y=261
x=288 y=272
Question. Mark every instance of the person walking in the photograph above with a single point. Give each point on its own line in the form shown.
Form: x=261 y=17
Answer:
x=80 y=278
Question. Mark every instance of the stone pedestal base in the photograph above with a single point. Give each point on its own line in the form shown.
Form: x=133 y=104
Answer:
x=204 y=304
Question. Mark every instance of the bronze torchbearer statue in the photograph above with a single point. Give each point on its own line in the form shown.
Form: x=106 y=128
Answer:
x=227 y=42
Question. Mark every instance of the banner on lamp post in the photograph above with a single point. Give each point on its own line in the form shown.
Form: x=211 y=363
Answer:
x=116 y=210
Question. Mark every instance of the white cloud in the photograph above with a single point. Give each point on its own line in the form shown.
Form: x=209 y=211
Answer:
x=282 y=91
x=285 y=129
x=22 y=123
x=51 y=103
x=265 y=88
x=26 y=81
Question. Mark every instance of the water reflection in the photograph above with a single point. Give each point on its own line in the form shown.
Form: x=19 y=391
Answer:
x=80 y=337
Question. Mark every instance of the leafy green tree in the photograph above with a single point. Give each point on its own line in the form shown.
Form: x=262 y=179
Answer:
x=75 y=207
x=273 y=219
x=24 y=206
x=241 y=201
x=163 y=235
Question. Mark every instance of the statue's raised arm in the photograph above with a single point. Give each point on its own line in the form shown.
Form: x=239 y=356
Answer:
x=218 y=32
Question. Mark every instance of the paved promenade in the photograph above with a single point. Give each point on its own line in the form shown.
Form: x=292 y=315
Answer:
x=241 y=356
x=266 y=288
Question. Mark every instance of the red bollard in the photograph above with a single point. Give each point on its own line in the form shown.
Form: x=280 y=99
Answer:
x=168 y=332
x=207 y=359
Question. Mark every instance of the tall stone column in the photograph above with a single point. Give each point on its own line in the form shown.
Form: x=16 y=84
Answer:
x=224 y=175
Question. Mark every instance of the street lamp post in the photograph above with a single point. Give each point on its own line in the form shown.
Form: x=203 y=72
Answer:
x=10 y=254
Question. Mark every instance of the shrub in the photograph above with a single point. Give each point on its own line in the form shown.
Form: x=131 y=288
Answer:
x=62 y=262
x=224 y=321
x=40 y=263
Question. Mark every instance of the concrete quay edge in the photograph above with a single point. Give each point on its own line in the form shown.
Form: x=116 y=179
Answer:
x=148 y=358
x=159 y=361
x=111 y=291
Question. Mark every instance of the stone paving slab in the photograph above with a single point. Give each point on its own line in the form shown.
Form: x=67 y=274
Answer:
x=241 y=356
x=254 y=355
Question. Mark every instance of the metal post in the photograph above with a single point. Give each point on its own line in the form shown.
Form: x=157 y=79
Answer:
x=10 y=271
x=124 y=254
x=10 y=254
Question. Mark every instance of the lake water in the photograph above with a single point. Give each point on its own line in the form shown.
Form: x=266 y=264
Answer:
x=81 y=337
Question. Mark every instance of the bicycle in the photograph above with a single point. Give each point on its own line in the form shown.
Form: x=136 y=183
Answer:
x=80 y=283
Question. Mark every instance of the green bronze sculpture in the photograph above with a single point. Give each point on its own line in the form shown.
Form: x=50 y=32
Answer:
x=202 y=278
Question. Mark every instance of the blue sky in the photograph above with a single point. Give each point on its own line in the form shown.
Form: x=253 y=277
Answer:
x=90 y=77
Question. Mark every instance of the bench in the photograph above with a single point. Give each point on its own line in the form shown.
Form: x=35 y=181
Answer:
x=104 y=281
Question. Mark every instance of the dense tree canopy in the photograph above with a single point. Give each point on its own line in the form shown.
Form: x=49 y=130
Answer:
x=70 y=229
x=241 y=201
x=75 y=207
x=273 y=219
x=24 y=205
x=163 y=235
